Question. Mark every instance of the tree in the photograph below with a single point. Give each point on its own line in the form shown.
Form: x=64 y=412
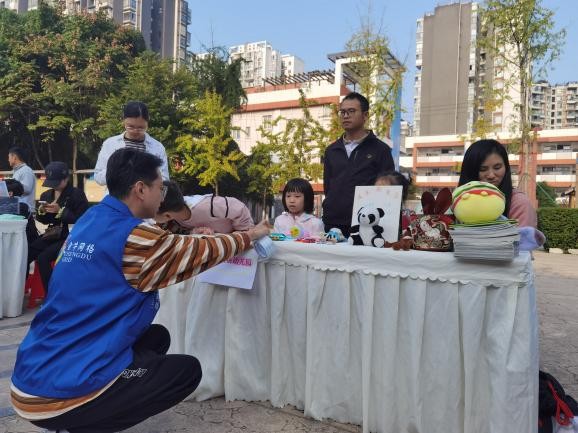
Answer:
x=204 y=146
x=60 y=70
x=546 y=195
x=520 y=36
x=261 y=171
x=291 y=148
x=168 y=94
x=380 y=80
x=215 y=73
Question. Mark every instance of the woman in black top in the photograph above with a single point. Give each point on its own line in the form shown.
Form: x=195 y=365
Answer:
x=61 y=205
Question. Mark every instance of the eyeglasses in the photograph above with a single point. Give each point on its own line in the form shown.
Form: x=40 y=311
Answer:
x=163 y=188
x=132 y=128
x=347 y=113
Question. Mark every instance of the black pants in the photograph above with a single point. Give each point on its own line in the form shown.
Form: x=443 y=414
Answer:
x=344 y=229
x=153 y=383
x=44 y=253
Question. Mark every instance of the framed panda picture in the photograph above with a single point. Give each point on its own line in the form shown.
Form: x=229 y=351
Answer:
x=376 y=215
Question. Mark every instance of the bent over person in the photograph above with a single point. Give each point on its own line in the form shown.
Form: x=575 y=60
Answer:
x=92 y=361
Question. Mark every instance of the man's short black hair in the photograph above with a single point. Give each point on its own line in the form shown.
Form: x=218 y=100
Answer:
x=363 y=102
x=15 y=187
x=126 y=167
x=174 y=201
x=135 y=109
x=20 y=152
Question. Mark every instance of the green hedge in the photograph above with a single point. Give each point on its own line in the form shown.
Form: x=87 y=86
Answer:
x=560 y=225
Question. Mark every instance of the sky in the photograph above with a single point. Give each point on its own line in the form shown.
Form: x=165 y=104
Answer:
x=311 y=29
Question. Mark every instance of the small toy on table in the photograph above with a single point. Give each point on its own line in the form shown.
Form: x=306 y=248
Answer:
x=430 y=231
x=296 y=232
x=278 y=237
x=333 y=236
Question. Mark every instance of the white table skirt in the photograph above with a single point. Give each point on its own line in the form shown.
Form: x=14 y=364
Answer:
x=13 y=257
x=395 y=341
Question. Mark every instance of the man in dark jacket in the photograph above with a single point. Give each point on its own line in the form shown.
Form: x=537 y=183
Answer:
x=354 y=159
x=61 y=205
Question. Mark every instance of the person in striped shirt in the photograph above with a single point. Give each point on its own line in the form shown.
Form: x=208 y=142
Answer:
x=92 y=361
x=135 y=116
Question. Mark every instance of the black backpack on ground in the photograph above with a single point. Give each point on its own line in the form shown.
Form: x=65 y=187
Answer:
x=554 y=404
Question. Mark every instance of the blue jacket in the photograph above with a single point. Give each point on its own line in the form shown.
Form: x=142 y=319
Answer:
x=82 y=337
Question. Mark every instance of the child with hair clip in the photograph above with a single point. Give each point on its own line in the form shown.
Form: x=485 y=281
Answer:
x=297 y=220
x=389 y=178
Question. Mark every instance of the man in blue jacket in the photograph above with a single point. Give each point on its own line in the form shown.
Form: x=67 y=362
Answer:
x=354 y=159
x=92 y=361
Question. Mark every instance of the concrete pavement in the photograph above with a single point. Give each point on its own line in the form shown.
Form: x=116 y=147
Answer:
x=557 y=299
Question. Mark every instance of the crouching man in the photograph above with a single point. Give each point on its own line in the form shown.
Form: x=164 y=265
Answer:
x=92 y=361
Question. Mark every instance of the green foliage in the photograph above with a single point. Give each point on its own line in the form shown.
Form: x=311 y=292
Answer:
x=216 y=74
x=204 y=147
x=60 y=68
x=288 y=148
x=546 y=195
x=520 y=36
x=560 y=225
x=167 y=93
x=369 y=50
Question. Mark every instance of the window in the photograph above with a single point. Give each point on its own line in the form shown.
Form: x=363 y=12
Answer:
x=248 y=131
x=236 y=134
x=266 y=120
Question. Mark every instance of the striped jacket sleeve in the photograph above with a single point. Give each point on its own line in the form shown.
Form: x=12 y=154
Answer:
x=154 y=258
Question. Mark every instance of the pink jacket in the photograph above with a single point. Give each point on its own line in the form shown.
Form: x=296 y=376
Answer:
x=522 y=210
x=229 y=214
x=309 y=224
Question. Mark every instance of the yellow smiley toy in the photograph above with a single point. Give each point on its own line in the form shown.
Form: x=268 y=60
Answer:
x=478 y=202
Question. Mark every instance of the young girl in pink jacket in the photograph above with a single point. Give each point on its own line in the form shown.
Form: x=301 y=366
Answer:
x=298 y=204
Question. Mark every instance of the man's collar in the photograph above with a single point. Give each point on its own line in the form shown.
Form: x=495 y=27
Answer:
x=16 y=167
x=117 y=204
x=358 y=140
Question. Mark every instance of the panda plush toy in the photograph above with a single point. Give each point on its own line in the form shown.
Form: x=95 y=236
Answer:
x=368 y=231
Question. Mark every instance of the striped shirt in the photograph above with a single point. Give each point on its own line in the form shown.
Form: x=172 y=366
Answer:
x=135 y=144
x=153 y=259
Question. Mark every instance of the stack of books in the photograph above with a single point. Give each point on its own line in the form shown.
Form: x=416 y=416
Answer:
x=497 y=240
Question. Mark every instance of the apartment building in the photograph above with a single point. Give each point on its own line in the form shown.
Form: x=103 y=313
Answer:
x=280 y=97
x=261 y=61
x=452 y=71
x=436 y=160
x=554 y=106
x=163 y=23
x=291 y=65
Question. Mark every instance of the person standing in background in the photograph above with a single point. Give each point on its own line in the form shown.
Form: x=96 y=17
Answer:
x=23 y=174
x=354 y=159
x=135 y=121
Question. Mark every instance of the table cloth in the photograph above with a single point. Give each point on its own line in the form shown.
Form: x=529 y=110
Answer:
x=398 y=341
x=13 y=257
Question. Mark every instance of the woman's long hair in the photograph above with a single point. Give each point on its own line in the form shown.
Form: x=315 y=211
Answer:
x=475 y=157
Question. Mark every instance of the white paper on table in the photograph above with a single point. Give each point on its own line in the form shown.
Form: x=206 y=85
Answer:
x=386 y=198
x=238 y=271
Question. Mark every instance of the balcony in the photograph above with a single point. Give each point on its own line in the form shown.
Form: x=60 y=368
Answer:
x=555 y=155
x=437 y=179
x=440 y=158
x=562 y=178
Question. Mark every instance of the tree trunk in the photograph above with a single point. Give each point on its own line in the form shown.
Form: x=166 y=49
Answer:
x=264 y=204
x=74 y=154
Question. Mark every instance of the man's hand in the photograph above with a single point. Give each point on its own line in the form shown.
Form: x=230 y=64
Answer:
x=203 y=231
x=260 y=230
x=51 y=207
